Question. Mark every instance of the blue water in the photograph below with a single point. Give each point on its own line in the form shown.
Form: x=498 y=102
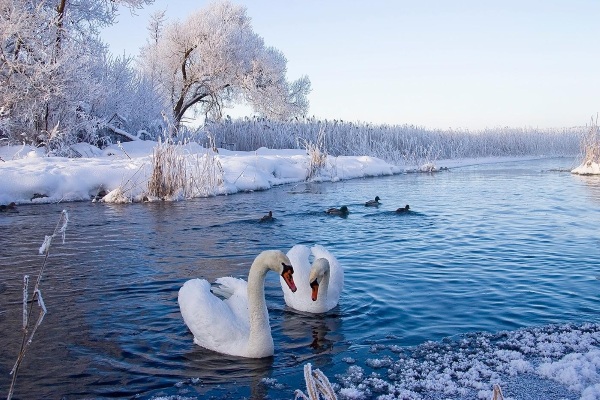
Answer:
x=484 y=248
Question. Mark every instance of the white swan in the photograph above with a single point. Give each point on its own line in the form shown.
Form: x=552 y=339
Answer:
x=319 y=285
x=238 y=325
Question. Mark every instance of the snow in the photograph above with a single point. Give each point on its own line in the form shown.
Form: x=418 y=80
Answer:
x=561 y=359
x=587 y=168
x=123 y=170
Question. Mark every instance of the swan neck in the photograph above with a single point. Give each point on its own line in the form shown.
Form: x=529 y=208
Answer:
x=260 y=329
x=324 y=286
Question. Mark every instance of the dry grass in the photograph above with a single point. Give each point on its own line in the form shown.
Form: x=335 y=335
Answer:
x=28 y=330
x=176 y=174
x=169 y=177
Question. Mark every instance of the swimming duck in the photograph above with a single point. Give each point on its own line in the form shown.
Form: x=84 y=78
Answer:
x=267 y=218
x=7 y=207
x=373 y=203
x=343 y=210
x=403 y=209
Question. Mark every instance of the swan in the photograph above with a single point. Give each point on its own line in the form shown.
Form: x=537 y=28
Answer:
x=238 y=325
x=319 y=285
x=373 y=203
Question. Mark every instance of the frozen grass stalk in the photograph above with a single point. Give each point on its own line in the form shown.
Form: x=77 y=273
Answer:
x=61 y=228
x=497 y=393
x=317 y=385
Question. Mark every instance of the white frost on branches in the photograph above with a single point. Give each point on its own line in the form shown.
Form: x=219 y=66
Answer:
x=213 y=59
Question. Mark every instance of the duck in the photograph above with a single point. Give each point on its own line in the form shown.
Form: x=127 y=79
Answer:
x=7 y=207
x=237 y=325
x=319 y=285
x=373 y=203
x=267 y=218
x=343 y=210
x=404 y=209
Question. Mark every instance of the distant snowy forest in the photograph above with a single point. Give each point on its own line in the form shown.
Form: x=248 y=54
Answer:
x=60 y=85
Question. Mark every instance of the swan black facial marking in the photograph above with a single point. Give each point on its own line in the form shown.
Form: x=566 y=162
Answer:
x=314 y=283
x=287 y=268
x=286 y=274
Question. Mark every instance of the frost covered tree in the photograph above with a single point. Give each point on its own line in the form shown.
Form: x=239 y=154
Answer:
x=28 y=68
x=214 y=59
x=56 y=76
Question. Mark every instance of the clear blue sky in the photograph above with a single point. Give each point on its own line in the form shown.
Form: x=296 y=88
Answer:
x=439 y=64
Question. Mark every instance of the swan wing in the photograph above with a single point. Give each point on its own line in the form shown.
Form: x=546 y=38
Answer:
x=213 y=322
x=298 y=256
x=336 y=275
x=237 y=297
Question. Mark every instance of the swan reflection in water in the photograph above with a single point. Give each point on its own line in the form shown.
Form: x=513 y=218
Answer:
x=308 y=335
x=209 y=368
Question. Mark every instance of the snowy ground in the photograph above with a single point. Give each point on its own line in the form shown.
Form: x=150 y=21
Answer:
x=551 y=362
x=27 y=176
x=587 y=168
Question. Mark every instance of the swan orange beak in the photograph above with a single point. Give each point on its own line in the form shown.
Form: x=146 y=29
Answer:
x=315 y=290
x=287 y=273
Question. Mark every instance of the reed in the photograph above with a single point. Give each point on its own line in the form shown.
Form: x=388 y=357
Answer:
x=410 y=144
x=28 y=328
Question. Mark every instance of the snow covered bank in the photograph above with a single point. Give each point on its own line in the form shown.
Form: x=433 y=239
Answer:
x=529 y=363
x=26 y=176
x=120 y=173
x=587 y=168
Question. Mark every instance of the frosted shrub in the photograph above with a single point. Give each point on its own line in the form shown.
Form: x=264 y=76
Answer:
x=591 y=145
x=590 y=151
x=206 y=172
x=317 y=155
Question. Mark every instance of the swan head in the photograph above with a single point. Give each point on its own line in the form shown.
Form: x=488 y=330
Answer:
x=319 y=270
x=277 y=261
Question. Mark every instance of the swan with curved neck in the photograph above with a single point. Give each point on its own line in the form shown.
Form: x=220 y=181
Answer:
x=238 y=325
x=319 y=284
